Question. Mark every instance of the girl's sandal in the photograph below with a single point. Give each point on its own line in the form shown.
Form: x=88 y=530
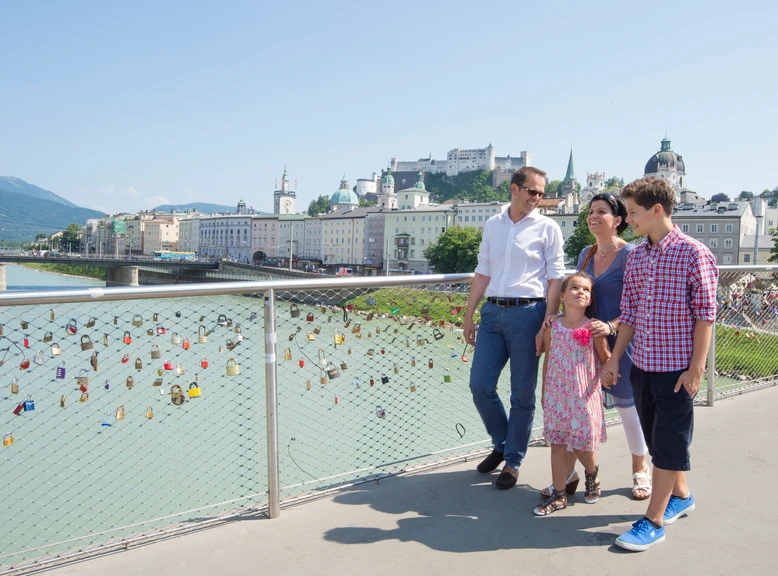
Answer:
x=557 y=501
x=570 y=487
x=645 y=487
x=592 y=481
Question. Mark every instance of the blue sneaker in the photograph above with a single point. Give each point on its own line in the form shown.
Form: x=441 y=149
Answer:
x=642 y=536
x=677 y=507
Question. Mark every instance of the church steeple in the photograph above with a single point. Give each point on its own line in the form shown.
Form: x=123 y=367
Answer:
x=570 y=174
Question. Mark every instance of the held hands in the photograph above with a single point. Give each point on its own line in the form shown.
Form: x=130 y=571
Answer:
x=599 y=328
x=689 y=380
x=610 y=373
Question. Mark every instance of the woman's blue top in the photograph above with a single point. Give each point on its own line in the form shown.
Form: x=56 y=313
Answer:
x=607 y=306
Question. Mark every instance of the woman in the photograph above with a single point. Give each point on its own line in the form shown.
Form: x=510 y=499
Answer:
x=605 y=261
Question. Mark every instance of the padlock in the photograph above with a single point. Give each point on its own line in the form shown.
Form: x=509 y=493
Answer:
x=48 y=337
x=91 y=322
x=407 y=342
x=160 y=329
x=317 y=330
x=130 y=382
x=51 y=313
x=157 y=382
x=287 y=354
x=24 y=364
x=322 y=308
x=15 y=386
x=84 y=397
x=38 y=358
x=370 y=352
x=202 y=335
x=24 y=324
x=63 y=401
x=413 y=361
x=138 y=364
x=396 y=369
x=332 y=371
x=150 y=332
x=107 y=385
x=372 y=381
x=221 y=348
x=329 y=319
x=380 y=412
x=356 y=328
x=175 y=338
x=176 y=395
x=160 y=371
x=125 y=359
x=437 y=334
x=127 y=339
x=357 y=383
x=349 y=306
x=194 y=390
x=337 y=399
x=19 y=408
x=239 y=334
x=168 y=365
x=149 y=412
x=233 y=369
x=115 y=320
x=358 y=335
x=307 y=384
x=185 y=344
x=430 y=363
x=105 y=339
x=180 y=370
x=446 y=376
x=343 y=365
x=309 y=317
x=419 y=340
x=155 y=317
x=137 y=320
x=294 y=311
x=301 y=362
x=323 y=380
x=229 y=323
x=2 y=329
x=83 y=377
x=384 y=379
x=253 y=316
x=349 y=350
x=322 y=358
x=8 y=439
x=155 y=352
x=120 y=412
x=369 y=334
x=310 y=336
x=204 y=362
x=230 y=344
x=338 y=338
x=29 y=403
x=413 y=387
x=370 y=316
x=26 y=341
x=93 y=360
x=377 y=330
x=441 y=322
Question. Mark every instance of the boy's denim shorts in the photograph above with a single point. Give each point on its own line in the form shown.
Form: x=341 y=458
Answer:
x=666 y=417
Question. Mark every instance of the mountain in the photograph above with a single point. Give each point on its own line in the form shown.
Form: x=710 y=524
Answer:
x=203 y=207
x=22 y=216
x=19 y=186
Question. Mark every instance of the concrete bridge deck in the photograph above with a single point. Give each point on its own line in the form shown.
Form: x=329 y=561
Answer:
x=452 y=521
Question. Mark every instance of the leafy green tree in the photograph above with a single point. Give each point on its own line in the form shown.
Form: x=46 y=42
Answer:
x=774 y=250
x=40 y=236
x=720 y=197
x=615 y=182
x=554 y=189
x=363 y=203
x=456 y=250
x=70 y=237
x=746 y=195
x=319 y=206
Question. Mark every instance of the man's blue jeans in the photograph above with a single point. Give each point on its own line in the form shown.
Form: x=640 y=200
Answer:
x=507 y=333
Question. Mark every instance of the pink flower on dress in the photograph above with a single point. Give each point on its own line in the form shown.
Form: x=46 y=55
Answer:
x=582 y=335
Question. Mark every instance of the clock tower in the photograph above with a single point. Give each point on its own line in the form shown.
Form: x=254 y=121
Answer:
x=284 y=199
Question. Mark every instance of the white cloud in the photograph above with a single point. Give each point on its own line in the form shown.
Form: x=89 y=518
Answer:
x=129 y=191
x=107 y=191
x=153 y=201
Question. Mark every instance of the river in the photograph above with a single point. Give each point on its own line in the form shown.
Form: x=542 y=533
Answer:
x=21 y=278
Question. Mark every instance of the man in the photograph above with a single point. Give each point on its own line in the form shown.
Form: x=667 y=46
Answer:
x=668 y=307
x=520 y=271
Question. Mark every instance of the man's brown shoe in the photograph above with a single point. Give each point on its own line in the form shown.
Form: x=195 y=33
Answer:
x=507 y=478
x=491 y=462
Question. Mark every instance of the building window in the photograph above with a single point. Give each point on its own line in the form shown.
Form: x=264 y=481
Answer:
x=684 y=228
x=714 y=242
x=563 y=223
x=746 y=258
x=727 y=258
x=699 y=227
x=575 y=223
x=714 y=228
x=727 y=242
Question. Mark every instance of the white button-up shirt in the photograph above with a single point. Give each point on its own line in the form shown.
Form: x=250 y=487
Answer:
x=521 y=257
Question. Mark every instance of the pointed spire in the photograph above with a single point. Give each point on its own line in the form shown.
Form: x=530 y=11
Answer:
x=570 y=174
x=284 y=176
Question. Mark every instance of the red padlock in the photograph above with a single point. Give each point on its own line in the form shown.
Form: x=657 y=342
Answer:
x=336 y=400
x=350 y=306
x=204 y=363
x=72 y=329
x=127 y=338
x=83 y=388
x=383 y=351
x=19 y=409
x=372 y=382
x=301 y=362
x=442 y=322
x=24 y=365
x=26 y=342
x=160 y=329
x=309 y=318
x=185 y=344
x=125 y=358
x=458 y=309
x=168 y=366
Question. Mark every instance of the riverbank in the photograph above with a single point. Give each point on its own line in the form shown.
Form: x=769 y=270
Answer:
x=73 y=270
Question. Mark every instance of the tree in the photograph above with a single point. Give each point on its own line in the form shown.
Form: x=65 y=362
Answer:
x=40 y=236
x=71 y=237
x=720 y=197
x=319 y=206
x=614 y=182
x=774 y=250
x=746 y=195
x=363 y=203
x=582 y=237
x=554 y=188
x=456 y=250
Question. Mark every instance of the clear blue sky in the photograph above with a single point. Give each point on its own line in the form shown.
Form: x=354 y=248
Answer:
x=123 y=105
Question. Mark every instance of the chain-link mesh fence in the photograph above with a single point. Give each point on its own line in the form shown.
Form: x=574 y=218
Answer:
x=372 y=379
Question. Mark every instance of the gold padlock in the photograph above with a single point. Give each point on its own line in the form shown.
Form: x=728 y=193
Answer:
x=155 y=352
x=15 y=386
x=138 y=364
x=338 y=338
x=51 y=314
x=310 y=336
x=413 y=360
x=130 y=382
x=413 y=387
x=105 y=339
x=86 y=343
x=137 y=320
x=91 y=322
x=84 y=397
x=323 y=380
x=8 y=439
x=63 y=401
x=48 y=337
x=176 y=395
x=202 y=335
x=396 y=369
x=317 y=330
x=288 y=354
x=149 y=413
x=155 y=317
x=120 y=412
x=349 y=349
x=232 y=367
x=343 y=365
x=307 y=384
x=377 y=329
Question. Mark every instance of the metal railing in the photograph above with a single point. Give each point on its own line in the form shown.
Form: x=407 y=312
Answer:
x=148 y=404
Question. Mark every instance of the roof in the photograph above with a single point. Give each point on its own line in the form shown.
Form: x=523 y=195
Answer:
x=706 y=212
x=765 y=242
x=354 y=213
x=665 y=159
x=551 y=202
x=570 y=174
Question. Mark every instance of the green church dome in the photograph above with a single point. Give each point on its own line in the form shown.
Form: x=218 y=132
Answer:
x=344 y=194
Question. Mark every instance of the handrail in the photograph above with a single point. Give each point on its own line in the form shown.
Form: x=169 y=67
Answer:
x=220 y=288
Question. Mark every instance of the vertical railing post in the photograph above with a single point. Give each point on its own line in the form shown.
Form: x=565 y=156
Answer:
x=712 y=366
x=271 y=405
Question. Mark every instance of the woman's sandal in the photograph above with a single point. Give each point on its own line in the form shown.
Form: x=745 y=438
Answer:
x=557 y=501
x=636 y=485
x=570 y=487
x=592 y=481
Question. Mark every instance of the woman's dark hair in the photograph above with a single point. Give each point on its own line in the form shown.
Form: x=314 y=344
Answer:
x=617 y=206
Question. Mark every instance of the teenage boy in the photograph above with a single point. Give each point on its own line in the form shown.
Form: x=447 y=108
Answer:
x=668 y=308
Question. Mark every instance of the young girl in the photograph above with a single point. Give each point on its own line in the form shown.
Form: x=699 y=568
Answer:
x=572 y=401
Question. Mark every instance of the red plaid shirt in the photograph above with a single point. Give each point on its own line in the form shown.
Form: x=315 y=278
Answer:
x=667 y=287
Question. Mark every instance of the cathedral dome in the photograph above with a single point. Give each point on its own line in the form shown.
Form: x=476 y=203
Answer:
x=420 y=182
x=344 y=194
x=665 y=159
x=388 y=179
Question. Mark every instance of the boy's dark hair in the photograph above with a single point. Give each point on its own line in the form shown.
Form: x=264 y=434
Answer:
x=647 y=192
x=520 y=176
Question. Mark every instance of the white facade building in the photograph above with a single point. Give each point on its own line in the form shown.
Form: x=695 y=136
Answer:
x=367 y=186
x=226 y=236
x=291 y=232
x=343 y=237
x=312 y=242
x=189 y=235
x=264 y=237
x=595 y=184
x=408 y=232
x=477 y=213
x=413 y=197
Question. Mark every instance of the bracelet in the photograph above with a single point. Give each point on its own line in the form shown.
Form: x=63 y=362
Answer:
x=612 y=328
